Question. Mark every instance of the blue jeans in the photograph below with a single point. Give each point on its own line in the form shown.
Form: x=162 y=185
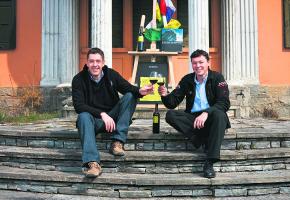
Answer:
x=88 y=126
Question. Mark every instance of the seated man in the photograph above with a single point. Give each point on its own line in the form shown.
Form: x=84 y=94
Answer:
x=96 y=100
x=207 y=100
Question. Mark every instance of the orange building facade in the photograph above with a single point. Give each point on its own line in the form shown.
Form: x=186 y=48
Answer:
x=52 y=39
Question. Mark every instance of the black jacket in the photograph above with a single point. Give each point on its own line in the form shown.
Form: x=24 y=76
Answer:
x=217 y=93
x=92 y=97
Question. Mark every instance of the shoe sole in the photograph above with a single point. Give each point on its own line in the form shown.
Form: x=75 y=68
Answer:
x=91 y=175
x=209 y=176
x=116 y=154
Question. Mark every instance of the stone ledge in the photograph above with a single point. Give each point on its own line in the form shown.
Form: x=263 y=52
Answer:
x=141 y=156
x=222 y=179
x=146 y=134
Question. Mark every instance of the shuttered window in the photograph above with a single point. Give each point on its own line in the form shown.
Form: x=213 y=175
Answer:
x=7 y=24
x=117 y=23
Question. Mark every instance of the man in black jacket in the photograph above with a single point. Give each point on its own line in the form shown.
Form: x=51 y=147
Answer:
x=207 y=100
x=96 y=100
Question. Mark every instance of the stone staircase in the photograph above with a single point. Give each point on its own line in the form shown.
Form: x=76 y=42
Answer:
x=46 y=158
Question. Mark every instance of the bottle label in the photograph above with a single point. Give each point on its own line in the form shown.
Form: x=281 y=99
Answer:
x=155 y=119
x=140 y=39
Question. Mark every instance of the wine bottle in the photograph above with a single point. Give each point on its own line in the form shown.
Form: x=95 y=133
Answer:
x=140 y=42
x=156 y=120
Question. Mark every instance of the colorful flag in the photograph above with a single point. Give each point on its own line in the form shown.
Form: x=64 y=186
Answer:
x=164 y=12
x=162 y=6
x=153 y=34
x=173 y=24
x=170 y=9
x=158 y=14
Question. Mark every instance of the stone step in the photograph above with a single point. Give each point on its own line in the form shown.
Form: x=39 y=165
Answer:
x=128 y=185
x=60 y=133
x=146 y=162
x=12 y=195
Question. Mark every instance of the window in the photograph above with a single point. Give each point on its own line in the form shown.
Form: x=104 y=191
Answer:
x=117 y=23
x=7 y=24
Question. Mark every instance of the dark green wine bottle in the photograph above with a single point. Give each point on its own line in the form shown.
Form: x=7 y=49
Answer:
x=140 y=41
x=156 y=120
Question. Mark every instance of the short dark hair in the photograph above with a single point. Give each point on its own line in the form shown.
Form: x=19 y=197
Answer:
x=96 y=51
x=198 y=53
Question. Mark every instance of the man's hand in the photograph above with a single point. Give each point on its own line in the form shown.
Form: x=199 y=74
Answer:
x=162 y=90
x=200 y=120
x=109 y=122
x=147 y=89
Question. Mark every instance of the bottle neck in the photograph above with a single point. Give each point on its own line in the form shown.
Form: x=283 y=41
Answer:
x=156 y=107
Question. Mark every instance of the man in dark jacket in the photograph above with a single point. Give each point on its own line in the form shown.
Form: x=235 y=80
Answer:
x=96 y=100
x=207 y=100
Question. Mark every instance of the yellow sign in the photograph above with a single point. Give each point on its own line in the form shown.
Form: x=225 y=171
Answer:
x=151 y=97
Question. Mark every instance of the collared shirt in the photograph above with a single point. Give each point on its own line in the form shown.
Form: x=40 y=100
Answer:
x=99 y=78
x=200 y=100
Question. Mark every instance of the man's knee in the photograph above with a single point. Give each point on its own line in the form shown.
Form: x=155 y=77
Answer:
x=169 y=117
x=84 y=117
x=218 y=115
x=128 y=96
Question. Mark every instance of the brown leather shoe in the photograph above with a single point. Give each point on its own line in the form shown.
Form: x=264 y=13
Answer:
x=93 y=170
x=117 y=148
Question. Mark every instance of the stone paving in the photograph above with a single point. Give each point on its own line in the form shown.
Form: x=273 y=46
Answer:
x=60 y=124
x=13 y=195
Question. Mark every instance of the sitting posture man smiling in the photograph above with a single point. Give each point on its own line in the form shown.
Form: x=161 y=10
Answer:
x=207 y=100
x=96 y=100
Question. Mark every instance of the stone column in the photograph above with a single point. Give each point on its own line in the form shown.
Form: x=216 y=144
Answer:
x=198 y=26
x=101 y=28
x=69 y=40
x=240 y=42
x=60 y=39
x=50 y=41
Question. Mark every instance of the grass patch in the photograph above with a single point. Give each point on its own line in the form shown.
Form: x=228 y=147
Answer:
x=28 y=118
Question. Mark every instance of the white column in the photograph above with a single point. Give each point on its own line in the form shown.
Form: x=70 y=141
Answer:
x=69 y=40
x=50 y=40
x=101 y=28
x=240 y=42
x=60 y=38
x=198 y=25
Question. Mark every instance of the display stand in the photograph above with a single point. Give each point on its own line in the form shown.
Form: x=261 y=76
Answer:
x=153 y=55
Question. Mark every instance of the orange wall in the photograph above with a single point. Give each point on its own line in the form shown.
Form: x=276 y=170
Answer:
x=274 y=60
x=23 y=63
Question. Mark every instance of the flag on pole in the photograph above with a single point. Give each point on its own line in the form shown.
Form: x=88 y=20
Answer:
x=164 y=12
x=162 y=6
x=170 y=9
x=158 y=14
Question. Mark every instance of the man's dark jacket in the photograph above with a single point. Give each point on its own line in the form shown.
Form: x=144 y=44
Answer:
x=216 y=88
x=92 y=97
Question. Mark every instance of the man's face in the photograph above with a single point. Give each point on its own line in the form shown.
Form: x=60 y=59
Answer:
x=200 y=66
x=95 y=64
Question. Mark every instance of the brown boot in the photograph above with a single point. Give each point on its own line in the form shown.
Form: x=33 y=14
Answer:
x=117 y=148
x=93 y=170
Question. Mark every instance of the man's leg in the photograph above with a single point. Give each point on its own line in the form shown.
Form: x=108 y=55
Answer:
x=122 y=114
x=87 y=126
x=214 y=133
x=183 y=122
x=215 y=126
